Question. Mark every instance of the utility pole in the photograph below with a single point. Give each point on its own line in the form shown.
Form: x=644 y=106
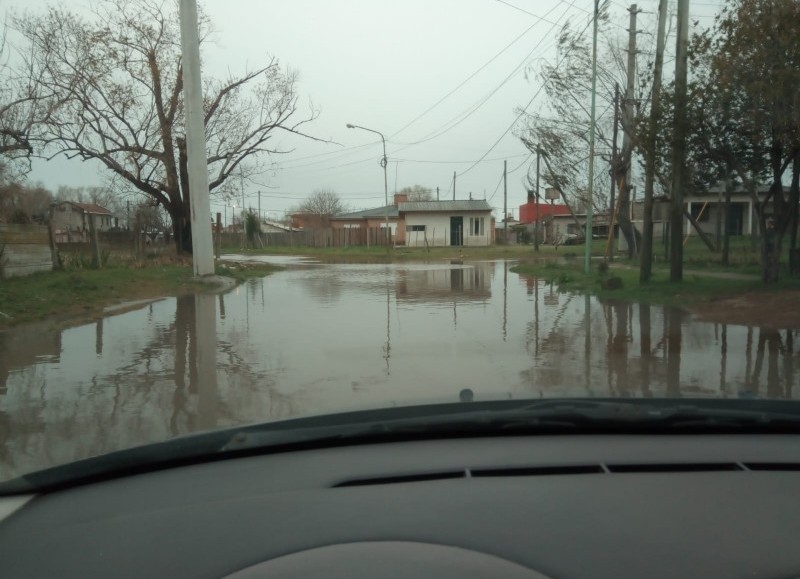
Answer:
x=454 y=185
x=259 y=205
x=646 y=258
x=624 y=198
x=536 y=202
x=505 y=201
x=244 y=221
x=614 y=160
x=200 y=215
x=587 y=262
x=679 y=145
x=437 y=193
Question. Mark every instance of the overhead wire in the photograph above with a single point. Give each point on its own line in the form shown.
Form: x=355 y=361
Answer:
x=523 y=111
x=346 y=151
x=465 y=114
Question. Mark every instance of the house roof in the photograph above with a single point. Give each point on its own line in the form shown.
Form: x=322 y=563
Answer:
x=386 y=211
x=90 y=208
x=430 y=206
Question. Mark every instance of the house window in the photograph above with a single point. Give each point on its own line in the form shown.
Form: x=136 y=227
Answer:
x=476 y=226
x=701 y=211
x=415 y=228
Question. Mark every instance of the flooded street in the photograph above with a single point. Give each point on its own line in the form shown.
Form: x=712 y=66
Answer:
x=324 y=338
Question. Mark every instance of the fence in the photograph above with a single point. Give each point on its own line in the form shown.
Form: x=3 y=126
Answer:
x=328 y=237
x=24 y=249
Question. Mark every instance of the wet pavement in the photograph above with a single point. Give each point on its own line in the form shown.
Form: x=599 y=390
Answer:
x=320 y=338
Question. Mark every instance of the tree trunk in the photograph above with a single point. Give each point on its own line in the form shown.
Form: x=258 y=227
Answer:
x=726 y=233
x=770 y=255
x=181 y=227
x=181 y=211
x=794 y=201
x=632 y=236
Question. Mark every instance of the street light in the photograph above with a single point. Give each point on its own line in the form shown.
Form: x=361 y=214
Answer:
x=385 y=177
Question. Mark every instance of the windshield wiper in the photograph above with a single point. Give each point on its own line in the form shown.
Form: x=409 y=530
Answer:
x=460 y=420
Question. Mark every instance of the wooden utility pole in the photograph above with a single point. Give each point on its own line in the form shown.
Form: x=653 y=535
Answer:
x=646 y=258
x=614 y=161
x=614 y=151
x=587 y=266
x=505 y=202
x=98 y=262
x=622 y=209
x=679 y=145
x=536 y=202
x=218 y=229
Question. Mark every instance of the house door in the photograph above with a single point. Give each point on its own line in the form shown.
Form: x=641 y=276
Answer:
x=735 y=225
x=456 y=231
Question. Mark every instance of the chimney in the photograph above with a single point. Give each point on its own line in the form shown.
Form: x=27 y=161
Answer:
x=400 y=198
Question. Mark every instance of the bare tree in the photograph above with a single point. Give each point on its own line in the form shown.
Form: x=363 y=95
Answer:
x=322 y=202
x=118 y=78
x=562 y=130
x=24 y=102
x=418 y=193
x=22 y=204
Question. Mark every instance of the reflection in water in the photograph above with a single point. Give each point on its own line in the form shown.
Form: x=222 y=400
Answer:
x=316 y=339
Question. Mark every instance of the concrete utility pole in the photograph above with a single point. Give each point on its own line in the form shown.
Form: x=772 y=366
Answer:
x=437 y=193
x=200 y=219
x=505 y=201
x=454 y=185
x=679 y=145
x=587 y=261
x=536 y=202
x=646 y=257
x=384 y=162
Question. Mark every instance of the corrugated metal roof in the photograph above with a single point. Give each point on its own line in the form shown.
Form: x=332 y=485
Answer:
x=450 y=206
x=386 y=211
x=90 y=208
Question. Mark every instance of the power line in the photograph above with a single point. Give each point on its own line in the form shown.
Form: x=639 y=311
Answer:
x=472 y=109
x=471 y=76
x=346 y=151
x=524 y=110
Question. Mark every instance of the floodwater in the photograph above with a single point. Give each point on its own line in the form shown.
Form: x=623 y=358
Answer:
x=320 y=338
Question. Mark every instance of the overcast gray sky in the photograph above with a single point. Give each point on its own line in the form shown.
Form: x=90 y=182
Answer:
x=382 y=64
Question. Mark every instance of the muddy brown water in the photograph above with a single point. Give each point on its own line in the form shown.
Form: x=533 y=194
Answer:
x=319 y=338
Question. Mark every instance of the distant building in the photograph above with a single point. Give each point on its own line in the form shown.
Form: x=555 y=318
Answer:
x=412 y=223
x=71 y=220
x=539 y=218
x=447 y=223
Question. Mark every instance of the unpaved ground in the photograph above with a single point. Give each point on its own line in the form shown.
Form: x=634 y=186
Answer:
x=778 y=309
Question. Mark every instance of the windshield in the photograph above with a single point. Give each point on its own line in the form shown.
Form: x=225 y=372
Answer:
x=364 y=205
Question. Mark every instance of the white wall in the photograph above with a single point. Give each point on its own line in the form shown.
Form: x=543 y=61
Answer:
x=437 y=229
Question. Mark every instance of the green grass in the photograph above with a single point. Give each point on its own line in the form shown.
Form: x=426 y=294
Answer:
x=83 y=292
x=420 y=253
x=570 y=277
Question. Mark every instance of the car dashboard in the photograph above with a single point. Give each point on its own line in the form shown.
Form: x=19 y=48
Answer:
x=525 y=506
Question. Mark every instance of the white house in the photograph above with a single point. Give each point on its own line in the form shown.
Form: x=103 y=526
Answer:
x=447 y=223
